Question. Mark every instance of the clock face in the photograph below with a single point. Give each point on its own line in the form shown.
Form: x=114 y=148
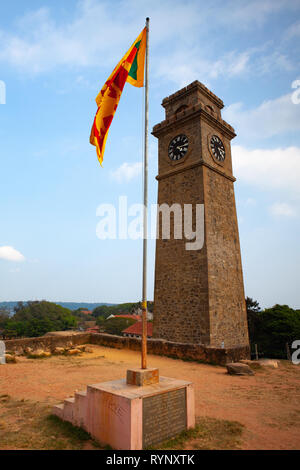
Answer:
x=217 y=148
x=178 y=147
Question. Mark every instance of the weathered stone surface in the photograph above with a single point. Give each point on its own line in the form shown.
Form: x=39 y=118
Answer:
x=47 y=343
x=19 y=351
x=199 y=294
x=129 y=417
x=73 y=352
x=238 y=368
x=252 y=364
x=58 y=351
x=164 y=416
x=268 y=363
x=39 y=353
x=63 y=333
x=142 y=377
x=194 y=352
x=28 y=350
x=9 y=358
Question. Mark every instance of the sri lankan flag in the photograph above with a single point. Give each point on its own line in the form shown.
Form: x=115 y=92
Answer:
x=129 y=69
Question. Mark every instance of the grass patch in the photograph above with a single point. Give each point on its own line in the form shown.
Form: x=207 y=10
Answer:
x=208 y=434
x=25 y=424
x=29 y=425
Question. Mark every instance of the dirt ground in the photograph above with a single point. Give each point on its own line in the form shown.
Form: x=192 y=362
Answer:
x=266 y=404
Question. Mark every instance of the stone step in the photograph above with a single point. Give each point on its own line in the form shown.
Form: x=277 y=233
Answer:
x=68 y=409
x=58 y=410
x=80 y=409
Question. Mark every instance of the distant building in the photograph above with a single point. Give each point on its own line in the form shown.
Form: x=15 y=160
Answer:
x=94 y=329
x=87 y=325
x=86 y=312
x=128 y=317
x=135 y=331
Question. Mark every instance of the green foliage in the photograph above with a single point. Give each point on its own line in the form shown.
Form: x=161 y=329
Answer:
x=272 y=328
x=80 y=316
x=37 y=318
x=115 y=326
x=253 y=309
x=103 y=311
x=120 y=309
x=4 y=316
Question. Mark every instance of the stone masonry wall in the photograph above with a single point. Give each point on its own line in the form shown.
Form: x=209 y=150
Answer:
x=228 y=317
x=158 y=347
x=192 y=352
x=181 y=288
x=46 y=343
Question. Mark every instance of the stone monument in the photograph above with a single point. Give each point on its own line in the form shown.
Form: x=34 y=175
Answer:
x=132 y=414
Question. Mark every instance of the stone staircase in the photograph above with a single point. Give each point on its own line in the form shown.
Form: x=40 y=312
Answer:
x=73 y=410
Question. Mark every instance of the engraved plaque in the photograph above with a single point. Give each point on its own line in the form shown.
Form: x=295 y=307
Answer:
x=164 y=416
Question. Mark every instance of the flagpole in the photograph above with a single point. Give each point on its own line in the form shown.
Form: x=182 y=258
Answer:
x=145 y=222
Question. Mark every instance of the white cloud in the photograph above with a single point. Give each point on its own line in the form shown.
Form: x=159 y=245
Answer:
x=127 y=172
x=245 y=14
x=293 y=31
x=41 y=44
x=283 y=209
x=186 y=65
x=270 y=118
x=11 y=254
x=269 y=169
x=96 y=30
x=95 y=35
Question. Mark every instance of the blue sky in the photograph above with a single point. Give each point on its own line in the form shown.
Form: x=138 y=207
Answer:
x=55 y=57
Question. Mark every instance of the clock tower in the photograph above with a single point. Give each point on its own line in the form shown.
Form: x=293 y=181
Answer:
x=199 y=293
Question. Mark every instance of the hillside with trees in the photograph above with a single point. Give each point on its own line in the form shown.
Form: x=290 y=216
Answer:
x=36 y=318
x=120 y=309
x=115 y=326
x=272 y=329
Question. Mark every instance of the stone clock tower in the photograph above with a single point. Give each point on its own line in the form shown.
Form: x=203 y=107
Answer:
x=199 y=294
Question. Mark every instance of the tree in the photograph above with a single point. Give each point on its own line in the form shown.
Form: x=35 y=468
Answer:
x=253 y=310
x=276 y=326
x=4 y=316
x=115 y=326
x=128 y=308
x=37 y=318
x=103 y=311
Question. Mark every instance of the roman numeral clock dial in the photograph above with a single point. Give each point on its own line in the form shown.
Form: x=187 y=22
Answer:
x=217 y=148
x=178 y=147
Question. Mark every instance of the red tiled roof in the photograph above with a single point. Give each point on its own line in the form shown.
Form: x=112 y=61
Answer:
x=137 y=329
x=86 y=312
x=133 y=317
x=94 y=329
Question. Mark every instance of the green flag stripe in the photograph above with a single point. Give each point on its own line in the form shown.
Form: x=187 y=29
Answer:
x=134 y=66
